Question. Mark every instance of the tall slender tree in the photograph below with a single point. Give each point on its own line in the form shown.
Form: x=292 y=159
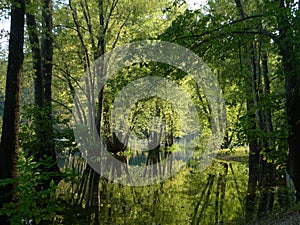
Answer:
x=42 y=54
x=288 y=45
x=47 y=54
x=10 y=130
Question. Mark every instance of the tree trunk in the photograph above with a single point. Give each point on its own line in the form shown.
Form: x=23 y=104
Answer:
x=254 y=147
x=9 y=145
x=286 y=43
x=37 y=151
x=253 y=166
x=267 y=169
x=37 y=61
x=47 y=56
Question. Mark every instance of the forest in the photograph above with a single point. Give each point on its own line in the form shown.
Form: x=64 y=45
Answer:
x=149 y=112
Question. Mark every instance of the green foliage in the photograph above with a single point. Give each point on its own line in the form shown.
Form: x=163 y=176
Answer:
x=34 y=204
x=221 y=38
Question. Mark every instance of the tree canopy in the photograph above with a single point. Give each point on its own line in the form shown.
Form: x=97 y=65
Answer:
x=246 y=56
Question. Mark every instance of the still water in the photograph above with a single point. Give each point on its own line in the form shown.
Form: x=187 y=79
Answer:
x=213 y=196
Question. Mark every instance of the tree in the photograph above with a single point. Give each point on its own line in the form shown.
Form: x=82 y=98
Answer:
x=246 y=38
x=9 y=146
x=289 y=45
x=42 y=54
x=99 y=26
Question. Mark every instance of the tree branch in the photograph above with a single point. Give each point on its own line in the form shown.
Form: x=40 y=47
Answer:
x=222 y=27
x=120 y=29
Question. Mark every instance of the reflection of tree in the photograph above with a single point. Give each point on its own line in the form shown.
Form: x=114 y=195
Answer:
x=220 y=194
x=204 y=197
x=214 y=195
x=239 y=193
x=213 y=198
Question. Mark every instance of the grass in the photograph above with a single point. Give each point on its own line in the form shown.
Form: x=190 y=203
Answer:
x=239 y=154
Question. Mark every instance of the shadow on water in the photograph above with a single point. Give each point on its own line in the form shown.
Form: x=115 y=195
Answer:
x=213 y=196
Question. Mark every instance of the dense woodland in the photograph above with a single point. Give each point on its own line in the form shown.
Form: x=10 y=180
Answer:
x=252 y=48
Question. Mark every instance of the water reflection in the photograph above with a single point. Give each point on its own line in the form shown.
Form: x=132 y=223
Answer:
x=213 y=196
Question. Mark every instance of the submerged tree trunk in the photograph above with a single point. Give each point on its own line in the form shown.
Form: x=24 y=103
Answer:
x=9 y=145
x=97 y=43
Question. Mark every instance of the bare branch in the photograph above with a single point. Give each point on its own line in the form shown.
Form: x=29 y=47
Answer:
x=87 y=17
x=120 y=29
